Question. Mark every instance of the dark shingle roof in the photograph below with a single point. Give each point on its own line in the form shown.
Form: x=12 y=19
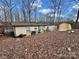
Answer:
x=18 y=24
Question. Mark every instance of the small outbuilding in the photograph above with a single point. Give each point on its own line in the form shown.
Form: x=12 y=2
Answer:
x=65 y=27
x=52 y=27
x=24 y=28
x=21 y=28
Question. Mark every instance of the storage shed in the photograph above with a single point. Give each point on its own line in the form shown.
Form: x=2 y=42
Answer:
x=24 y=28
x=65 y=27
x=52 y=27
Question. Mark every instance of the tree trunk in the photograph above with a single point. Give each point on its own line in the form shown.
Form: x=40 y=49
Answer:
x=5 y=15
x=11 y=16
x=77 y=18
x=29 y=11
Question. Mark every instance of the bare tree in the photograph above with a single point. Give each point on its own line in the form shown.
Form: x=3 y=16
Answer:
x=29 y=10
x=56 y=5
x=16 y=15
x=23 y=8
x=3 y=13
x=59 y=11
x=35 y=12
x=5 y=16
x=26 y=8
x=35 y=6
x=77 y=1
x=77 y=18
x=9 y=5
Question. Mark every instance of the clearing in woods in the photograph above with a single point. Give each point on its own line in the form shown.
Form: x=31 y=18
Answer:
x=49 y=45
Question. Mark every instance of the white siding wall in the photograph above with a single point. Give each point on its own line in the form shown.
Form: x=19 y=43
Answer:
x=42 y=28
x=33 y=28
x=52 y=28
x=28 y=32
x=45 y=27
x=24 y=30
x=19 y=30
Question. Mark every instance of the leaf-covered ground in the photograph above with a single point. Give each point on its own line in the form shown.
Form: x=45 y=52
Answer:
x=49 y=45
